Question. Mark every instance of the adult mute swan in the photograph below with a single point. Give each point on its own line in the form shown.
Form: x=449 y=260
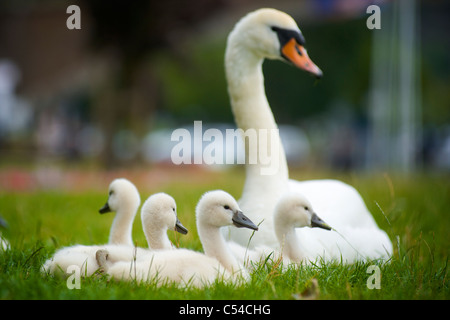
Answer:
x=215 y=209
x=124 y=199
x=269 y=33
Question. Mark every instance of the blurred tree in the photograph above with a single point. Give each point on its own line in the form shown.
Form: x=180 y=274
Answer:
x=133 y=30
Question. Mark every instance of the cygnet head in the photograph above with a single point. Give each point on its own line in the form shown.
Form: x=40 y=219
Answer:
x=294 y=210
x=269 y=33
x=219 y=209
x=160 y=211
x=122 y=195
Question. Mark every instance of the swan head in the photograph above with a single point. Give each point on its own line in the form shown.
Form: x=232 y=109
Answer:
x=160 y=210
x=219 y=209
x=294 y=210
x=272 y=34
x=122 y=194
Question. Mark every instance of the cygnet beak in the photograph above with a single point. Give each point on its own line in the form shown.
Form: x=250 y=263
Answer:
x=105 y=208
x=316 y=222
x=180 y=228
x=241 y=221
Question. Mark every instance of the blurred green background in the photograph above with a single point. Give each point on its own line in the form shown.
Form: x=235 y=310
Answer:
x=111 y=93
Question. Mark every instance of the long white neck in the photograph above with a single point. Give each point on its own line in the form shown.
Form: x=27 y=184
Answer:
x=157 y=238
x=263 y=184
x=122 y=226
x=289 y=242
x=252 y=111
x=214 y=245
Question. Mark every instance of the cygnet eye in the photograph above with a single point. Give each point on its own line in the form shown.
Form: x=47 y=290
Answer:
x=173 y=209
x=306 y=208
x=226 y=207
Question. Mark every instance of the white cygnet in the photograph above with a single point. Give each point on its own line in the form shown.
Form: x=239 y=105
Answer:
x=215 y=209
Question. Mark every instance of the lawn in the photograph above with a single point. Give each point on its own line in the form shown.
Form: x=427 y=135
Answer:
x=413 y=210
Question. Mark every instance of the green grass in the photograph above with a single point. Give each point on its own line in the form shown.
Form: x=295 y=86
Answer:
x=414 y=211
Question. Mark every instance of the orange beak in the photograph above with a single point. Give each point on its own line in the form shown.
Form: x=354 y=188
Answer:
x=296 y=54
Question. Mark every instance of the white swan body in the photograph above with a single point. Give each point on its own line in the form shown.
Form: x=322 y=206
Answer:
x=214 y=210
x=124 y=199
x=271 y=34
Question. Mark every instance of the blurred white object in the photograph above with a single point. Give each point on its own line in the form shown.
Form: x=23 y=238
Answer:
x=15 y=112
x=4 y=244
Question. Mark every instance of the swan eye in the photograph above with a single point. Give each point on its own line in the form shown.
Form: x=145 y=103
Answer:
x=111 y=193
x=306 y=208
x=226 y=207
x=173 y=209
x=284 y=35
